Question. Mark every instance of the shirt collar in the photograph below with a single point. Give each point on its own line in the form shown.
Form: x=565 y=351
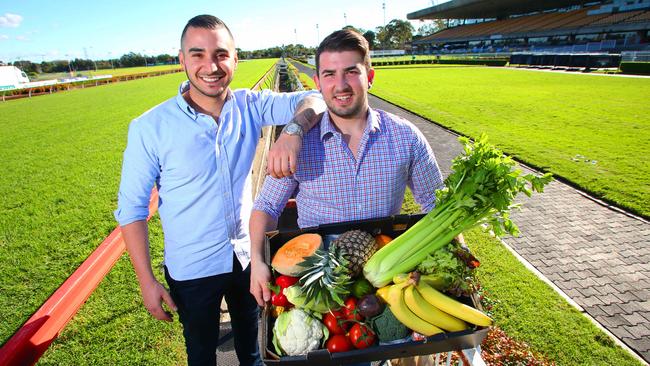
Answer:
x=327 y=127
x=186 y=107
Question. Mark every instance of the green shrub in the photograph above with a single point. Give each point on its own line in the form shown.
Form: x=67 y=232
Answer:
x=635 y=67
x=491 y=62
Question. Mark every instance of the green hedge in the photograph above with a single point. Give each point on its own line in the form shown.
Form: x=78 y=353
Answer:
x=635 y=67
x=490 y=62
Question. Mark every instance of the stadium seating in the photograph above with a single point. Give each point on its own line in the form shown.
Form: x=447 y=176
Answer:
x=539 y=22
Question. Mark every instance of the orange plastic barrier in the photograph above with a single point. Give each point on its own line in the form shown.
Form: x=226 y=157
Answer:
x=29 y=343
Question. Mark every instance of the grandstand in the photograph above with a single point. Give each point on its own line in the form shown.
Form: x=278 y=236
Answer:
x=559 y=26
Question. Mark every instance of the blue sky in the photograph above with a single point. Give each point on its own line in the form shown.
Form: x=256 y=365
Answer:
x=40 y=30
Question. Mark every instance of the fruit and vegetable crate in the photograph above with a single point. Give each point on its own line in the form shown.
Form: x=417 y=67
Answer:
x=442 y=342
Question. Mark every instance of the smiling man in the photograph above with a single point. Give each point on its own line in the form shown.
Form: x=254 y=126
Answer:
x=198 y=148
x=355 y=164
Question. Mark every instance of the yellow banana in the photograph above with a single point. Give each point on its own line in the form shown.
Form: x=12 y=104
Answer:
x=404 y=315
x=382 y=293
x=451 y=306
x=430 y=313
x=401 y=277
x=434 y=281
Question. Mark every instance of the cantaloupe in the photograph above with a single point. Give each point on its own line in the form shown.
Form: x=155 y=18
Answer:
x=293 y=252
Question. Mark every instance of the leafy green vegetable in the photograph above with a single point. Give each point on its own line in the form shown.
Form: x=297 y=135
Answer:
x=481 y=190
x=449 y=272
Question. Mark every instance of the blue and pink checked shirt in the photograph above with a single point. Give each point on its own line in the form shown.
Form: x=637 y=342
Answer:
x=332 y=186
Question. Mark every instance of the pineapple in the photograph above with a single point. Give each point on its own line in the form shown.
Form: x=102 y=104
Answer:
x=326 y=279
x=327 y=276
x=357 y=247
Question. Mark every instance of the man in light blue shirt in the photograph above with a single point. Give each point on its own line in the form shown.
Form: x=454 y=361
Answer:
x=198 y=149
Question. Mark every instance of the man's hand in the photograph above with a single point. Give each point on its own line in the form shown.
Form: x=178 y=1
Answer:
x=283 y=156
x=153 y=295
x=260 y=277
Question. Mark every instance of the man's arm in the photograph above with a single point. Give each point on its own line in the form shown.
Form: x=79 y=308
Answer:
x=283 y=156
x=139 y=171
x=136 y=237
x=268 y=206
x=260 y=223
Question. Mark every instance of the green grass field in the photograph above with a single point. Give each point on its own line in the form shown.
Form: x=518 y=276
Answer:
x=590 y=130
x=61 y=158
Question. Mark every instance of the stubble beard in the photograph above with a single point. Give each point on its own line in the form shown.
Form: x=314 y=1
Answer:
x=347 y=112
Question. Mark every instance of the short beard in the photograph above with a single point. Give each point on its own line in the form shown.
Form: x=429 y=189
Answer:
x=353 y=111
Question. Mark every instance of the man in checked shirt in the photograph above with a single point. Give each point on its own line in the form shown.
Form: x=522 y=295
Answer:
x=355 y=164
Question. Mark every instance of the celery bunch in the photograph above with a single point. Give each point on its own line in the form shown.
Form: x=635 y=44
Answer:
x=480 y=190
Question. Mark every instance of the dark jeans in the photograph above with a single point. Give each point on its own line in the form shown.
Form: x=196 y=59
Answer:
x=199 y=303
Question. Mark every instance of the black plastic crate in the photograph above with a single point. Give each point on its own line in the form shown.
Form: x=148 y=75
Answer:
x=391 y=226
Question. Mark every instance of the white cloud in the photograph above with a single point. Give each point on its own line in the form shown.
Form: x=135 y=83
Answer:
x=3 y=37
x=22 y=38
x=10 y=20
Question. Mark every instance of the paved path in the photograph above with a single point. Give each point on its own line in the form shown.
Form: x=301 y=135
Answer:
x=597 y=256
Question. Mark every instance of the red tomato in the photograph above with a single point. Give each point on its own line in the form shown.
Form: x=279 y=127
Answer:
x=334 y=324
x=361 y=336
x=350 y=310
x=338 y=343
x=285 y=281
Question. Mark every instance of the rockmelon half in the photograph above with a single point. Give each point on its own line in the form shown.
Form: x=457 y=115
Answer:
x=294 y=251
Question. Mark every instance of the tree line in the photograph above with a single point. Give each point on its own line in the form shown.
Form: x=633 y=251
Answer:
x=394 y=35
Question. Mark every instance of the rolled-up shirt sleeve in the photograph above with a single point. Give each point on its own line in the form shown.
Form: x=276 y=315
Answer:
x=278 y=108
x=140 y=170
x=274 y=195
x=424 y=175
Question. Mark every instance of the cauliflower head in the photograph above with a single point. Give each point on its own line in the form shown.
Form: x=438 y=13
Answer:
x=296 y=332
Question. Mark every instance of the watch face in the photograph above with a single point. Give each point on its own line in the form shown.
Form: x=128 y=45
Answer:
x=293 y=129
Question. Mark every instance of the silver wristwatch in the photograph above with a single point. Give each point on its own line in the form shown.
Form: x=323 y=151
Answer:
x=293 y=128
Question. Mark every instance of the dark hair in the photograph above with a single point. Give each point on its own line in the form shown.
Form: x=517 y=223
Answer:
x=344 y=40
x=205 y=21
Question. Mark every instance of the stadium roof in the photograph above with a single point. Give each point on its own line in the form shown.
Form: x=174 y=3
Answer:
x=479 y=9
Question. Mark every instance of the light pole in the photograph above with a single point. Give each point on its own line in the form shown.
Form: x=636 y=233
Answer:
x=317 y=35
x=345 y=19
x=93 y=60
x=383 y=6
x=69 y=66
x=110 y=58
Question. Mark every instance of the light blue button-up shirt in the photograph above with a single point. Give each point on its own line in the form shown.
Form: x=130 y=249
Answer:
x=202 y=170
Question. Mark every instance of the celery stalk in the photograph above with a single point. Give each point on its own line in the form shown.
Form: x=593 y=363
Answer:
x=481 y=189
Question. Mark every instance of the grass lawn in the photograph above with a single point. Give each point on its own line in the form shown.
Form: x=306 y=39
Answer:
x=61 y=160
x=307 y=81
x=590 y=130
x=528 y=310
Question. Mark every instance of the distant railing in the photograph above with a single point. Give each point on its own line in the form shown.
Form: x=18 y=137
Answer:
x=635 y=56
x=48 y=88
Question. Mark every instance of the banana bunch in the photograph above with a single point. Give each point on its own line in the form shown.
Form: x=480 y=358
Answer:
x=428 y=311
